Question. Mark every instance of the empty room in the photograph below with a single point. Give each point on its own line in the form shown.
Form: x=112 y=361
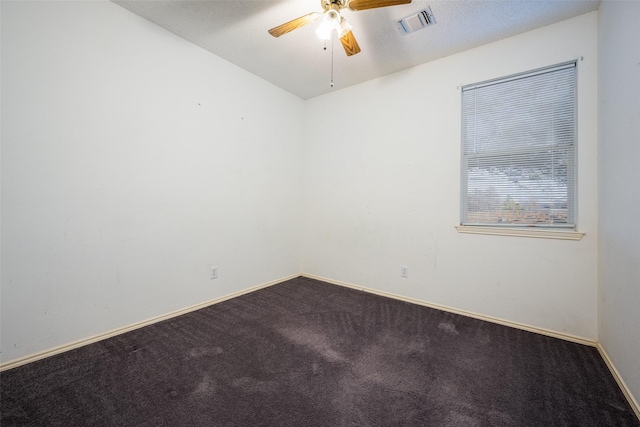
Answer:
x=215 y=214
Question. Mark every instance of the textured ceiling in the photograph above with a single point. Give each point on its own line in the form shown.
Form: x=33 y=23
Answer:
x=297 y=62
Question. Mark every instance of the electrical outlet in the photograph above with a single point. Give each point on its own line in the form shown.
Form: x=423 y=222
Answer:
x=214 y=273
x=404 y=271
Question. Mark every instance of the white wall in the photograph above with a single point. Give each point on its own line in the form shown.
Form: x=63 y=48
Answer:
x=132 y=161
x=382 y=190
x=619 y=227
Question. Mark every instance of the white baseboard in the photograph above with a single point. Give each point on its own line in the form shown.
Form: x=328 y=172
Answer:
x=542 y=331
x=90 y=340
x=616 y=375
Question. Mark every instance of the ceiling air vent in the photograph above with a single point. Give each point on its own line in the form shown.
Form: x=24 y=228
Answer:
x=417 y=20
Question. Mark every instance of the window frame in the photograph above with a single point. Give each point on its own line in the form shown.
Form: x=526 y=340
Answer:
x=549 y=230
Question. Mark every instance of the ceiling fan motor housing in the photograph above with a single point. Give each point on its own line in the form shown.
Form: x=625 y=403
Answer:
x=333 y=4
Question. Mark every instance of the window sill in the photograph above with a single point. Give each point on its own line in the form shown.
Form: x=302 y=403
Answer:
x=521 y=232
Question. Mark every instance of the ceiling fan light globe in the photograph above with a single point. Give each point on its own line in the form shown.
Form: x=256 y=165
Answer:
x=324 y=30
x=330 y=21
x=343 y=27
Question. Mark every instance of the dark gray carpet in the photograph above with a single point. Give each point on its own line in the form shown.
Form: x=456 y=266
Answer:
x=307 y=353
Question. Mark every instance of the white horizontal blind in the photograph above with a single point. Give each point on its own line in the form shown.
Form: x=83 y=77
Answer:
x=518 y=150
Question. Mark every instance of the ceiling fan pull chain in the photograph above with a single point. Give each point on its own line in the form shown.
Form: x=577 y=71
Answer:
x=331 y=62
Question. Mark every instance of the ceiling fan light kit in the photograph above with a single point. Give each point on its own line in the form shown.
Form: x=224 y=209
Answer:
x=324 y=30
x=332 y=20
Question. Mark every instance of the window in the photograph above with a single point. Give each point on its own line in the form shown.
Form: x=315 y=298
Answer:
x=518 y=150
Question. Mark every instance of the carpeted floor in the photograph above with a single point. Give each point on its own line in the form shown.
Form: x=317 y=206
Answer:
x=308 y=353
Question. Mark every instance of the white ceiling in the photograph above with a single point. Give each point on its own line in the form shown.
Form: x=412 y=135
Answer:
x=236 y=30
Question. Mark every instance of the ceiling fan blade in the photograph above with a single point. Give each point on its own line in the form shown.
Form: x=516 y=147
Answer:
x=293 y=24
x=350 y=44
x=372 y=4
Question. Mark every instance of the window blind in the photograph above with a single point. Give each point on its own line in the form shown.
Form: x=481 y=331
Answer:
x=518 y=149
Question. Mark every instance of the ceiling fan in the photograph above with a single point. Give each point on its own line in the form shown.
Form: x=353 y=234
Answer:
x=332 y=20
